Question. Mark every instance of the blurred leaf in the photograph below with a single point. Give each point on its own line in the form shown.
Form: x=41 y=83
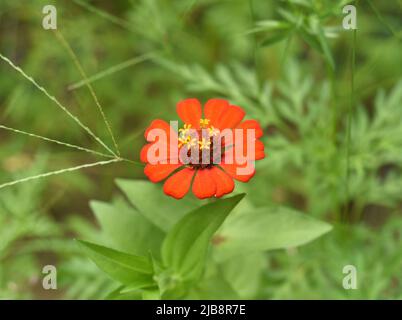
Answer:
x=274 y=38
x=185 y=247
x=267 y=229
x=289 y=16
x=305 y=3
x=325 y=47
x=151 y=294
x=311 y=40
x=269 y=26
x=127 y=229
x=136 y=286
x=82 y=279
x=214 y=287
x=148 y=198
x=123 y=267
x=246 y=284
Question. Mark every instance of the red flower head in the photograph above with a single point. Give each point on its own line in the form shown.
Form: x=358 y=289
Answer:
x=207 y=153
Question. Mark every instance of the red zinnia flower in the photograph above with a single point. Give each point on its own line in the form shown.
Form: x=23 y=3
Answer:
x=211 y=178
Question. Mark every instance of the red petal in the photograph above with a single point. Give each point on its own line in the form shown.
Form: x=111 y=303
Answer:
x=259 y=150
x=144 y=153
x=231 y=169
x=231 y=117
x=158 y=172
x=214 y=109
x=159 y=124
x=224 y=183
x=203 y=185
x=178 y=184
x=171 y=139
x=190 y=112
x=251 y=124
x=259 y=146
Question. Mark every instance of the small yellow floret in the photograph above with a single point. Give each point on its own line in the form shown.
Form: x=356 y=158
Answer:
x=204 y=123
x=204 y=144
x=212 y=131
x=184 y=131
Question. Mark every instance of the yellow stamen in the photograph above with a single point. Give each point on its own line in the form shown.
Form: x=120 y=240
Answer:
x=182 y=141
x=187 y=141
x=191 y=143
x=212 y=131
x=204 y=144
x=204 y=123
x=184 y=131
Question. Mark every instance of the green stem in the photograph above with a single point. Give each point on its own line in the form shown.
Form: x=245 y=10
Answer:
x=349 y=123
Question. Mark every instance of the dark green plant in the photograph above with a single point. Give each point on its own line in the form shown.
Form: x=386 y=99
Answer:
x=154 y=255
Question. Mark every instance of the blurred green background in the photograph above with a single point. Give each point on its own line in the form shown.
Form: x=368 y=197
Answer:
x=334 y=151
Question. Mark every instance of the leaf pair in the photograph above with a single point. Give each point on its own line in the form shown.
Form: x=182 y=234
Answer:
x=184 y=250
x=131 y=270
x=168 y=259
x=267 y=228
x=308 y=26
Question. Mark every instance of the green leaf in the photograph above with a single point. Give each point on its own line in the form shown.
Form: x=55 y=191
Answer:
x=311 y=40
x=123 y=267
x=269 y=26
x=304 y=3
x=325 y=47
x=150 y=201
x=244 y=273
x=185 y=247
x=289 y=16
x=151 y=294
x=267 y=229
x=213 y=287
x=126 y=229
x=274 y=38
x=136 y=286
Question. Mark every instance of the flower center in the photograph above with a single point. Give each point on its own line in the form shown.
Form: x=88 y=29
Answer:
x=200 y=148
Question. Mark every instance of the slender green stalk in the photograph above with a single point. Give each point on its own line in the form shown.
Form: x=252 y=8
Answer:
x=57 y=172
x=73 y=56
x=349 y=122
x=113 y=69
x=103 y=14
x=255 y=44
x=383 y=21
x=73 y=146
x=286 y=51
x=52 y=98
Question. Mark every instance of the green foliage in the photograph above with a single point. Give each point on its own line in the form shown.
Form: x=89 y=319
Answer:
x=138 y=193
x=19 y=220
x=333 y=149
x=266 y=229
x=117 y=221
x=306 y=19
x=125 y=268
x=185 y=268
x=84 y=280
x=375 y=158
x=186 y=245
x=304 y=272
